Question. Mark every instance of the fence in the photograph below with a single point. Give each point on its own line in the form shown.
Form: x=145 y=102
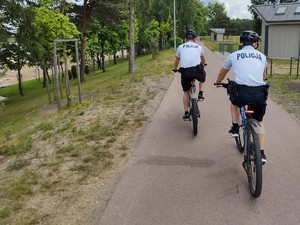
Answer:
x=291 y=66
x=228 y=46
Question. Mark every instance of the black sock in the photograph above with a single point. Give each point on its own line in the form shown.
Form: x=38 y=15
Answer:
x=186 y=112
x=262 y=151
x=200 y=92
x=235 y=125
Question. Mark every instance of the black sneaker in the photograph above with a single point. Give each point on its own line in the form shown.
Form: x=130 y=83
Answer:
x=263 y=158
x=186 y=117
x=234 y=132
x=200 y=97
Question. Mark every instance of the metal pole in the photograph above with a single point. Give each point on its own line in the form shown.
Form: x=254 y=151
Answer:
x=291 y=65
x=78 y=72
x=297 y=68
x=55 y=75
x=174 y=25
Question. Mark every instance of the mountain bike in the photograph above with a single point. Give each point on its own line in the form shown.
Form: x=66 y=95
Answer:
x=248 y=144
x=193 y=106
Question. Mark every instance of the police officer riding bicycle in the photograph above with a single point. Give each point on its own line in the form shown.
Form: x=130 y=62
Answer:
x=249 y=68
x=192 y=61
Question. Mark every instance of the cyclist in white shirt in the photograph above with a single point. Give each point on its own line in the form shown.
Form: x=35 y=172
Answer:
x=192 y=61
x=249 y=68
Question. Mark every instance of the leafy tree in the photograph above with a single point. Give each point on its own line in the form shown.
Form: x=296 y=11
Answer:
x=85 y=12
x=152 y=35
x=238 y=25
x=218 y=16
x=17 y=25
x=165 y=32
x=51 y=23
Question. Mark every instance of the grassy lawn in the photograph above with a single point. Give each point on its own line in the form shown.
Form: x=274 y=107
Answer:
x=52 y=159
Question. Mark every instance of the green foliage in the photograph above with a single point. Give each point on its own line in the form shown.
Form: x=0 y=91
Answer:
x=51 y=24
x=152 y=34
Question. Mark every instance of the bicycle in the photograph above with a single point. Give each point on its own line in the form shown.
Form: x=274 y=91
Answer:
x=249 y=146
x=193 y=106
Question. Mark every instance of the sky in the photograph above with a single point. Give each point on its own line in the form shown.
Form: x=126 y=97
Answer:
x=235 y=8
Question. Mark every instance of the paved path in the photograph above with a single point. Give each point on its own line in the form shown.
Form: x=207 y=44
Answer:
x=175 y=178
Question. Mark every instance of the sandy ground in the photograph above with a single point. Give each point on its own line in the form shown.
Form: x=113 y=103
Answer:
x=11 y=76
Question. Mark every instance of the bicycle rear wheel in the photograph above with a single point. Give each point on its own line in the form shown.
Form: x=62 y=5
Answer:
x=253 y=163
x=194 y=113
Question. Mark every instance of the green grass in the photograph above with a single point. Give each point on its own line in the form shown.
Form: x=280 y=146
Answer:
x=50 y=151
x=214 y=45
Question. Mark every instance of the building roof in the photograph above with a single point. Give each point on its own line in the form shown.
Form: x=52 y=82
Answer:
x=277 y=13
x=218 y=30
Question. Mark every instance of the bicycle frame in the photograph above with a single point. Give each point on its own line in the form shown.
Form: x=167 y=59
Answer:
x=244 y=124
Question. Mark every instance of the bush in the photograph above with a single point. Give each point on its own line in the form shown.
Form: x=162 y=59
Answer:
x=179 y=41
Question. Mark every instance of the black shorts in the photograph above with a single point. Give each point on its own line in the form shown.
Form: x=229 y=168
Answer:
x=255 y=97
x=188 y=74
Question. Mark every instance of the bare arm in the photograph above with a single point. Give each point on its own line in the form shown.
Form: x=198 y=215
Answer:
x=221 y=75
x=203 y=59
x=176 y=63
x=265 y=75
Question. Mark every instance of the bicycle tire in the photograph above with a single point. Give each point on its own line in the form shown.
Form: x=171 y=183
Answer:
x=254 y=163
x=194 y=116
x=239 y=144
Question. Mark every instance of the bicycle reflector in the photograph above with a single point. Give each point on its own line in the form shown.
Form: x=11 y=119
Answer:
x=248 y=111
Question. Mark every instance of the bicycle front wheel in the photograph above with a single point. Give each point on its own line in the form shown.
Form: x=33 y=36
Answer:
x=254 y=163
x=194 y=113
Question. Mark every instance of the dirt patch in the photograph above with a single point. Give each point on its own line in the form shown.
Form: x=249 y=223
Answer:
x=293 y=85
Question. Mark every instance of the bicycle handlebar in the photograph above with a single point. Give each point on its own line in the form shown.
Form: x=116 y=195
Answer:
x=224 y=85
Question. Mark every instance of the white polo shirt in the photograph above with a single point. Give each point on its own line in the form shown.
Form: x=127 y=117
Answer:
x=189 y=54
x=248 y=66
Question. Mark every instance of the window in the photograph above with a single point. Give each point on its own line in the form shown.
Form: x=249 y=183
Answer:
x=297 y=11
x=281 y=10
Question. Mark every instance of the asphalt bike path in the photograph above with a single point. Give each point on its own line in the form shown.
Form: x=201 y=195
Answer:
x=175 y=178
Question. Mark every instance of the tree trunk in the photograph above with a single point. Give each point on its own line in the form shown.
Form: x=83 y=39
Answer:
x=82 y=59
x=99 y=62
x=115 y=59
x=46 y=82
x=102 y=54
x=131 y=37
x=20 y=85
x=68 y=91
